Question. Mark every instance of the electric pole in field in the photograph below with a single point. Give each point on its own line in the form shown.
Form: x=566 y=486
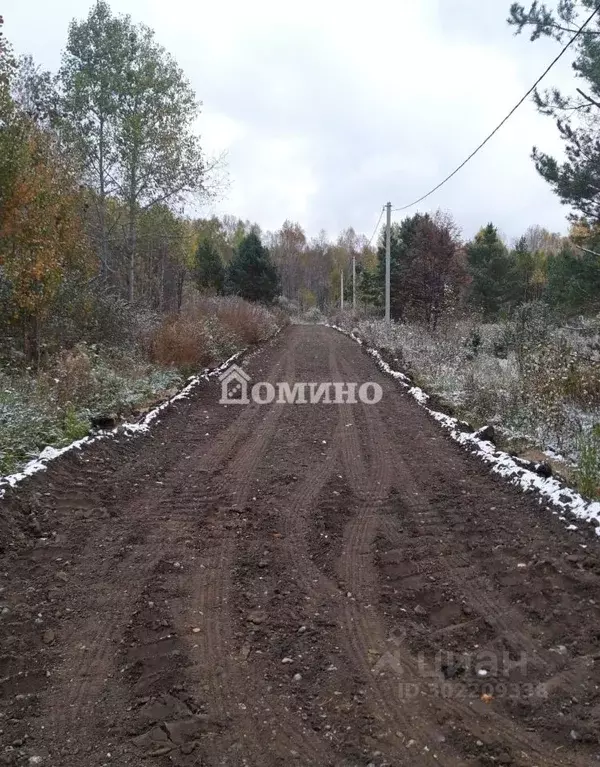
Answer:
x=342 y=290
x=388 y=255
x=353 y=281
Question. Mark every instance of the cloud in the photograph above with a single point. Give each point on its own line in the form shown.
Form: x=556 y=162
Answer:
x=329 y=109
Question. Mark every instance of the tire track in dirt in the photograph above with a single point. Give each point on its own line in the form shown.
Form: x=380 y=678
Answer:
x=83 y=672
x=209 y=586
x=235 y=695
x=371 y=631
x=409 y=737
x=153 y=532
x=294 y=490
x=492 y=606
x=318 y=421
x=484 y=722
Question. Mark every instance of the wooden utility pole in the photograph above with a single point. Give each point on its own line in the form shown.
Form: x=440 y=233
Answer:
x=342 y=290
x=353 y=281
x=388 y=255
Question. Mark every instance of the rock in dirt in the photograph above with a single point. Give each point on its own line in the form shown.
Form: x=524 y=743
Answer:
x=543 y=469
x=487 y=434
x=257 y=617
x=245 y=652
x=464 y=427
x=104 y=421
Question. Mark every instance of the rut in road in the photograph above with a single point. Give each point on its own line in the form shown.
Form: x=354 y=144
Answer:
x=316 y=584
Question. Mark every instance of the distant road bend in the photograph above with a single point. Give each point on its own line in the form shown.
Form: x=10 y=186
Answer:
x=293 y=584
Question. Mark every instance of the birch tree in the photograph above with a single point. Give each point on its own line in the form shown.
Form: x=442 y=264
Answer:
x=130 y=111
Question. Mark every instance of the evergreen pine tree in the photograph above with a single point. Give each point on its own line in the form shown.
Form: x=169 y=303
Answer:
x=576 y=180
x=369 y=287
x=493 y=273
x=402 y=239
x=525 y=266
x=209 y=273
x=252 y=274
x=573 y=282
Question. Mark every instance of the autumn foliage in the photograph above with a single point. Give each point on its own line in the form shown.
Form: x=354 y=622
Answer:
x=41 y=234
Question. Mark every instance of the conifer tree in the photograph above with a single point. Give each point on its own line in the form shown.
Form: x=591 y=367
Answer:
x=252 y=274
x=209 y=273
x=493 y=273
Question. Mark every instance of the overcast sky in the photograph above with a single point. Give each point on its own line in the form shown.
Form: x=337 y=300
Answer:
x=328 y=109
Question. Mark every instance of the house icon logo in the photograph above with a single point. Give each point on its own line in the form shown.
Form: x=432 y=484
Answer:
x=234 y=386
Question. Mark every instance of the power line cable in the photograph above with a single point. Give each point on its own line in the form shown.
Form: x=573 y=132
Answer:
x=377 y=226
x=508 y=116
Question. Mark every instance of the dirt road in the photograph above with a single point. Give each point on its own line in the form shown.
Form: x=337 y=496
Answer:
x=288 y=584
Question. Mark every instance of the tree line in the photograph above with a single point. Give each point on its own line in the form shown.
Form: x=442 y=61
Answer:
x=96 y=163
x=433 y=271
x=308 y=269
x=99 y=159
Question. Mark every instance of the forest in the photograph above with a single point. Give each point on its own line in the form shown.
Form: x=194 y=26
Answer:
x=112 y=290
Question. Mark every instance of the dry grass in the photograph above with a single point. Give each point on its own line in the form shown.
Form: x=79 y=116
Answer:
x=251 y=323
x=182 y=342
x=70 y=377
x=209 y=329
x=55 y=405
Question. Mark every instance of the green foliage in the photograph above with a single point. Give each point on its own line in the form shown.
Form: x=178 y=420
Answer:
x=370 y=287
x=74 y=426
x=493 y=273
x=214 y=230
x=577 y=180
x=91 y=77
x=530 y=327
x=27 y=424
x=54 y=408
x=307 y=299
x=573 y=285
x=473 y=343
x=425 y=272
x=36 y=92
x=525 y=265
x=531 y=324
x=251 y=274
x=402 y=237
x=588 y=471
x=14 y=129
x=128 y=114
x=209 y=273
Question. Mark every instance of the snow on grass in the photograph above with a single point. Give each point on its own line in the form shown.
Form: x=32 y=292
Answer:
x=549 y=489
x=51 y=409
x=128 y=429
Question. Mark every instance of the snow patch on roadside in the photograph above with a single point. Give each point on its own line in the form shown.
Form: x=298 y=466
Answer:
x=549 y=489
x=128 y=429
